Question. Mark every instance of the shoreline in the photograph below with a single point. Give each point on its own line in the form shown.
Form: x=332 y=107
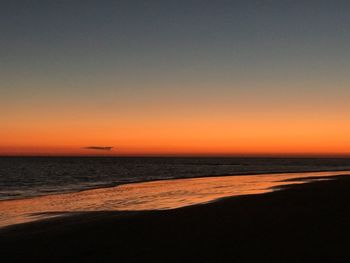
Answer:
x=153 y=195
x=111 y=185
x=301 y=222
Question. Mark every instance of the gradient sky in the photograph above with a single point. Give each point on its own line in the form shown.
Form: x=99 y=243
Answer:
x=175 y=77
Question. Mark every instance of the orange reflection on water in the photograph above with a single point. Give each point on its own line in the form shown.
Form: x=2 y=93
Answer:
x=156 y=195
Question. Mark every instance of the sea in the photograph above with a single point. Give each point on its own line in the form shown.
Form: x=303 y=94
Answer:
x=23 y=177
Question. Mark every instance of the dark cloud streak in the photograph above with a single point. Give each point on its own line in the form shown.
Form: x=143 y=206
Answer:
x=101 y=148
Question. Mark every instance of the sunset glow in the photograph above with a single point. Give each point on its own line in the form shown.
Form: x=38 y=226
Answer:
x=209 y=80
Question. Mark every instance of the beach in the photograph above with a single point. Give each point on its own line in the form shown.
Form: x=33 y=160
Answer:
x=174 y=131
x=300 y=223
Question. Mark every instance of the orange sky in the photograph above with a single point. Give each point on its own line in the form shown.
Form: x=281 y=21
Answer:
x=205 y=134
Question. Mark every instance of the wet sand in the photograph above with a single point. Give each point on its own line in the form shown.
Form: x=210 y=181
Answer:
x=153 y=195
x=299 y=224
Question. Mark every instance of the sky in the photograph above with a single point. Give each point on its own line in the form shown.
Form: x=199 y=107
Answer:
x=194 y=77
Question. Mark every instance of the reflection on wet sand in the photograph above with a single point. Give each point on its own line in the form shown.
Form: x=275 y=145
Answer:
x=165 y=194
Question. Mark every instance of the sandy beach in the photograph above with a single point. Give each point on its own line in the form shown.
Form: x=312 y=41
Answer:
x=300 y=223
x=174 y=131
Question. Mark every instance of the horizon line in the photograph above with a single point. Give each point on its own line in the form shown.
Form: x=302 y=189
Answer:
x=241 y=155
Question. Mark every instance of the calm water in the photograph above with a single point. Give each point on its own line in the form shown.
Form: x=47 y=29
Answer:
x=22 y=177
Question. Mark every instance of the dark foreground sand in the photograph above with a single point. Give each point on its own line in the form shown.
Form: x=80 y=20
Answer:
x=304 y=223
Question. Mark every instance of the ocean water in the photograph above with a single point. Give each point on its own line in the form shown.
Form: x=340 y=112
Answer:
x=22 y=177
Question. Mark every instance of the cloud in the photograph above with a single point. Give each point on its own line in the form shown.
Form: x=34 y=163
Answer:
x=102 y=148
